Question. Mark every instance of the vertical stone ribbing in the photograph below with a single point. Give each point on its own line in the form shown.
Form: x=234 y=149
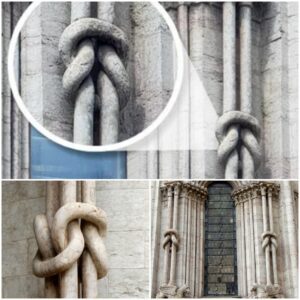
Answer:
x=247 y=244
x=6 y=94
x=258 y=229
x=15 y=128
x=172 y=281
x=238 y=245
x=166 y=274
x=229 y=56
x=229 y=80
x=201 y=247
x=247 y=161
x=184 y=108
x=252 y=239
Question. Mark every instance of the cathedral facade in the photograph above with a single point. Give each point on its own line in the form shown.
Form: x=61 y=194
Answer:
x=228 y=238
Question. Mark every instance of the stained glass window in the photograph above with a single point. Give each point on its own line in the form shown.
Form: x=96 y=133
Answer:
x=220 y=242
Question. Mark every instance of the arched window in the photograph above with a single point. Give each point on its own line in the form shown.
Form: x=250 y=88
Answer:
x=220 y=277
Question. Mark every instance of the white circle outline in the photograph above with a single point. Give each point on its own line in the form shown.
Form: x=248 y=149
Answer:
x=91 y=148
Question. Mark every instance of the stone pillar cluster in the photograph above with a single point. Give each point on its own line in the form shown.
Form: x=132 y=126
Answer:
x=238 y=132
x=15 y=128
x=71 y=253
x=183 y=241
x=257 y=240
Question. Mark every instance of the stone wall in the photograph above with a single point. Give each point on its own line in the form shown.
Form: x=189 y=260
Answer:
x=127 y=241
x=21 y=202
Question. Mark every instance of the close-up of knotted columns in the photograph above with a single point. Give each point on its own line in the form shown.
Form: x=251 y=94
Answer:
x=72 y=229
x=238 y=132
x=88 y=42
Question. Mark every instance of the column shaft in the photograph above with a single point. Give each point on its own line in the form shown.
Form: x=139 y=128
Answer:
x=229 y=79
x=174 y=247
x=69 y=278
x=52 y=205
x=243 y=244
x=89 y=271
x=291 y=217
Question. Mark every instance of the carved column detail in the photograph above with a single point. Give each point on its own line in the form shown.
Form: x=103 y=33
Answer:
x=257 y=243
x=185 y=202
x=63 y=240
x=237 y=131
x=83 y=42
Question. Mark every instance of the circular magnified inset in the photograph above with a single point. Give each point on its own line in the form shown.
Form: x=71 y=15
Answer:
x=95 y=76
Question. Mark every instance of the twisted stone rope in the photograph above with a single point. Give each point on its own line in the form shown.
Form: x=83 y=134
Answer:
x=269 y=239
x=77 y=47
x=57 y=251
x=236 y=127
x=171 y=237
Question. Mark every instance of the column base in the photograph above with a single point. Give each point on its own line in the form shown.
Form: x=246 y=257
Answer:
x=172 y=291
x=266 y=291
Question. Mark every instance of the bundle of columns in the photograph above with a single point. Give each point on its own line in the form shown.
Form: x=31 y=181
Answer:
x=238 y=132
x=84 y=43
x=186 y=235
x=71 y=253
x=257 y=249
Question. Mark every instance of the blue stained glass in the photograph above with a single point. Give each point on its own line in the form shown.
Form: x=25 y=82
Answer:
x=50 y=160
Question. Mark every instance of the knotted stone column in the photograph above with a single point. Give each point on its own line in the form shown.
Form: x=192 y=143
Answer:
x=190 y=242
x=238 y=132
x=170 y=243
x=82 y=42
x=62 y=241
x=257 y=243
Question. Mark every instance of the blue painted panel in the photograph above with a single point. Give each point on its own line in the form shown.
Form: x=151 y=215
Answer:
x=50 y=160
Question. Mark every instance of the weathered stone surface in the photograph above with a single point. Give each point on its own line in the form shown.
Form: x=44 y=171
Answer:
x=135 y=283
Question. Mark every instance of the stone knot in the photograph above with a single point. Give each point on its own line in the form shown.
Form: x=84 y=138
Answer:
x=245 y=130
x=59 y=247
x=85 y=40
x=171 y=237
x=269 y=238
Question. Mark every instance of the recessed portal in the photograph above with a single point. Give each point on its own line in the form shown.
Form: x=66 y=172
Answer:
x=220 y=278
